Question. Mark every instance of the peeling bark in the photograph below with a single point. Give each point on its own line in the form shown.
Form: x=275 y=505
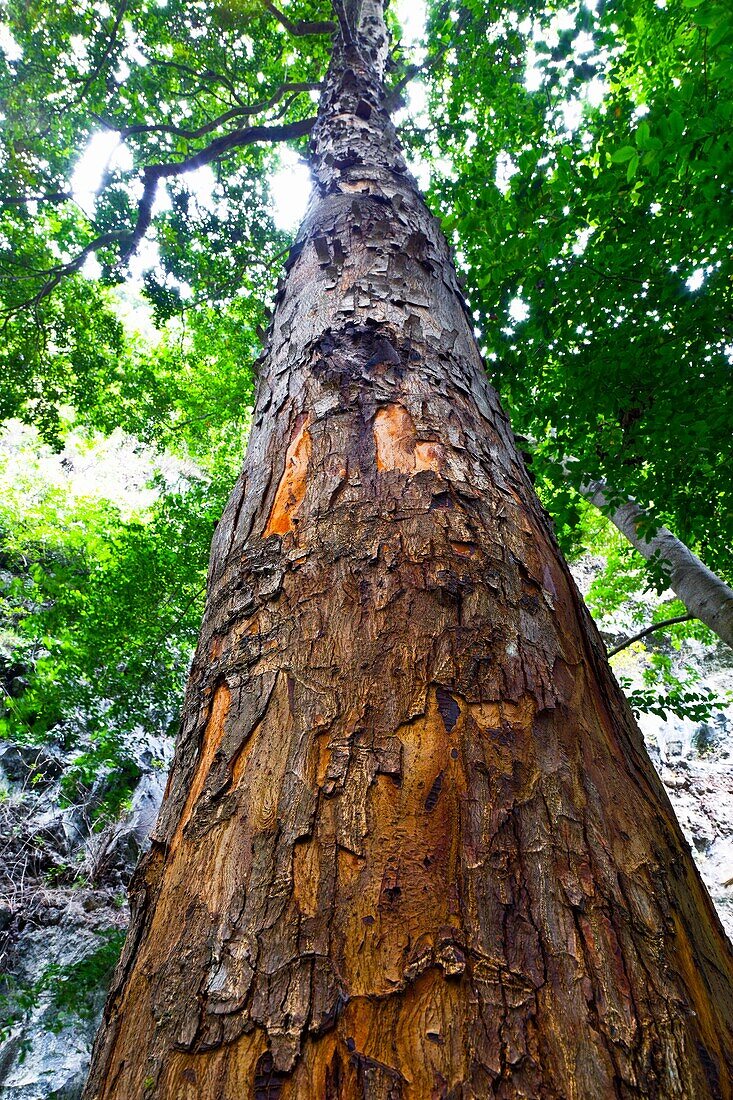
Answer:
x=412 y=845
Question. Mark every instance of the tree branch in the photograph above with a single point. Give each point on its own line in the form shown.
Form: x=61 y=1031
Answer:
x=56 y=274
x=156 y=172
x=302 y=26
x=107 y=51
x=290 y=89
x=208 y=75
x=705 y=595
x=129 y=239
x=394 y=95
x=649 y=630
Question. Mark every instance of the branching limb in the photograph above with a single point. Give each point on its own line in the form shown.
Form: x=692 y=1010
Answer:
x=128 y=240
x=394 y=98
x=301 y=27
x=153 y=173
x=649 y=630
x=204 y=79
x=292 y=90
x=111 y=39
x=705 y=595
x=56 y=274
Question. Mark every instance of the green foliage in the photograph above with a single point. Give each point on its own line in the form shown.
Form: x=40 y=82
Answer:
x=68 y=354
x=620 y=154
x=678 y=699
x=74 y=990
x=101 y=614
x=168 y=80
x=77 y=987
x=665 y=692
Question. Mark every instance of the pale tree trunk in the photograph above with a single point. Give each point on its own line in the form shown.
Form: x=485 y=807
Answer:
x=412 y=845
x=703 y=593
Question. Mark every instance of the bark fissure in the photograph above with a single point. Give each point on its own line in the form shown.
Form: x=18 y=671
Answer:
x=424 y=853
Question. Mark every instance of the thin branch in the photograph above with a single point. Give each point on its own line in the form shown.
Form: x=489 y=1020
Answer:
x=302 y=26
x=222 y=293
x=208 y=75
x=129 y=239
x=649 y=630
x=56 y=274
x=51 y=196
x=112 y=38
x=290 y=89
x=394 y=95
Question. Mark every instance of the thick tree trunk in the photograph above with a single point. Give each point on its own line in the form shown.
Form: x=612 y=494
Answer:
x=412 y=845
x=703 y=593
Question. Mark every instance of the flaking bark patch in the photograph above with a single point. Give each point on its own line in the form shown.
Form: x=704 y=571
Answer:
x=213 y=735
x=293 y=483
x=397 y=446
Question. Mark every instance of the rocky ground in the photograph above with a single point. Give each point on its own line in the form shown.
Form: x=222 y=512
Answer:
x=63 y=914
x=63 y=906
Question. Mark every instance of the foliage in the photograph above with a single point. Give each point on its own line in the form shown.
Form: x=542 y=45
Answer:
x=93 y=98
x=599 y=265
x=76 y=987
x=694 y=705
x=101 y=613
x=73 y=990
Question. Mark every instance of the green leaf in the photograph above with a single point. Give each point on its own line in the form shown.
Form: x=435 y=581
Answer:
x=620 y=156
x=642 y=134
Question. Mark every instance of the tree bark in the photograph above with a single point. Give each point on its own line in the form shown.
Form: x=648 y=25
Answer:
x=703 y=593
x=412 y=845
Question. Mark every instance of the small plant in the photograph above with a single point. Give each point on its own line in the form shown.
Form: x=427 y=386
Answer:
x=677 y=699
x=74 y=988
x=17 y=1000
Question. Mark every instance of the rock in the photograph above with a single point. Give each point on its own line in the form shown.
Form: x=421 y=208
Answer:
x=146 y=801
x=47 y=1052
x=39 y=764
x=64 y=826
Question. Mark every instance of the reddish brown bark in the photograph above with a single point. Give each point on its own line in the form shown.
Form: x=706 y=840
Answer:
x=412 y=844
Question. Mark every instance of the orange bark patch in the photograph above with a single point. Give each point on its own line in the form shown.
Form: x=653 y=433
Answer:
x=259 y=768
x=465 y=549
x=397 y=446
x=405 y=882
x=212 y=739
x=306 y=877
x=293 y=483
x=698 y=992
x=218 y=1072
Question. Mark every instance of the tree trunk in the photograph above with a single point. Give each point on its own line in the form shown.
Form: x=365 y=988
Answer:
x=412 y=845
x=703 y=593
